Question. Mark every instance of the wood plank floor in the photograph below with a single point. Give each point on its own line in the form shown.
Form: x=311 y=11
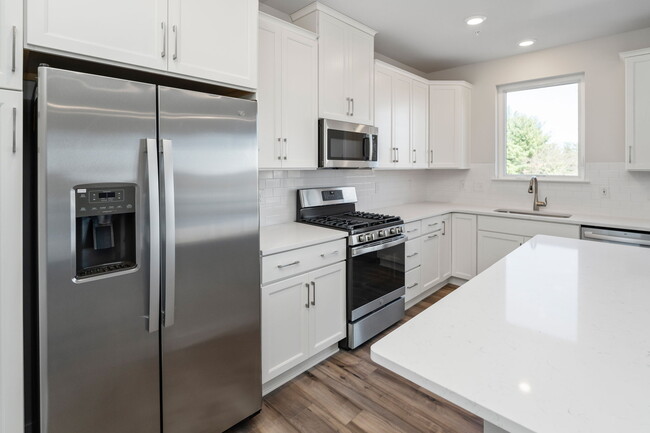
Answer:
x=349 y=393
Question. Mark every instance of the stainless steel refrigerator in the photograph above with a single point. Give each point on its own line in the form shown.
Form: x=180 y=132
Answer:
x=148 y=257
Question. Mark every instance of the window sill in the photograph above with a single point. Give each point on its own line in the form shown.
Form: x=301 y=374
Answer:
x=539 y=179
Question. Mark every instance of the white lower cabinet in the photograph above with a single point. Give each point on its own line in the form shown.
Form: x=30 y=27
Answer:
x=445 y=248
x=463 y=250
x=301 y=316
x=492 y=247
x=430 y=268
x=11 y=264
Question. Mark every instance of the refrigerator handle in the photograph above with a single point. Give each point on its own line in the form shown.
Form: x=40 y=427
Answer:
x=170 y=233
x=154 y=235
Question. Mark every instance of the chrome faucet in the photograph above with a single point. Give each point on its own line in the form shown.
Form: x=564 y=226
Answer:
x=532 y=189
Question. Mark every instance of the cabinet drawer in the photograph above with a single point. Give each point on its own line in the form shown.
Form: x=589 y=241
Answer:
x=529 y=228
x=294 y=262
x=412 y=254
x=430 y=225
x=413 y=229
x=412 y=284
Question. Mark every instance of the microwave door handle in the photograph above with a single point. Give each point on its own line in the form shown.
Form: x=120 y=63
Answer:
x=170 y=234
x=365 y=150
x=154 y=235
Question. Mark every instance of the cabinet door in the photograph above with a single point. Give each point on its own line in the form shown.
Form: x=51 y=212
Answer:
x=445 y=248
x=299 y=101
x=11 y=44
x=214 y=39
x=119 y=30
x=637 y=112
x=412 y=284
x=327 y=307
x=285 y=325
x=463 y=250
x=449 y=126
x=419 y=124
x=384 y=116
x=269 y=102
x=333 y=100
x=492 y=247
x=430 y=267
x=402 y=120
x=360 y=77
x=11 y=283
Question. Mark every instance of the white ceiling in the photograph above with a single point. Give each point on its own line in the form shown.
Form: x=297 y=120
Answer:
x=431 y=35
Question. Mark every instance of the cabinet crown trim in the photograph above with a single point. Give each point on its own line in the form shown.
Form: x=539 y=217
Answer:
x=627 y=54
x=392 y=68
x=317 y=6
x=270 y=19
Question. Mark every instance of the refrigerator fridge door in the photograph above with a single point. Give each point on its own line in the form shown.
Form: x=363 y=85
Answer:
x=211 y=303
x=99 y=355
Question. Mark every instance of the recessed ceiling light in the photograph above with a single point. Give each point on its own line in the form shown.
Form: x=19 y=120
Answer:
x=475 y=20
x=527 y=42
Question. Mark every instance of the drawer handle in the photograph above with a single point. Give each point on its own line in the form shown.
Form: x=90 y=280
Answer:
x=307 y=304
x=289 y=264
x=411 y=231
x=434 y=235
x=412 y=255
x=333 y=253
x=433 y=225
x=411 y=286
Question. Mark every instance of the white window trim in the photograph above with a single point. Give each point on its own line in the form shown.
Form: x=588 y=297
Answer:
x=501 y=122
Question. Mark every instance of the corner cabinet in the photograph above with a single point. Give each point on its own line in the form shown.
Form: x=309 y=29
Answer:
x=637 y=109
x=463 y=245
x=449 y=124
x=11 y=44
x=401 y=115
x=345 y=64
x=287 y=96
x=213 y=40
x=11 y=265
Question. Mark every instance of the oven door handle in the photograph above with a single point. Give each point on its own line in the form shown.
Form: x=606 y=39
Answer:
x=364 y=249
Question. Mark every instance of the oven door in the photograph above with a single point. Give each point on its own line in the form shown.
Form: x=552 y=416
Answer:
x=375 y=276
x=347 y=145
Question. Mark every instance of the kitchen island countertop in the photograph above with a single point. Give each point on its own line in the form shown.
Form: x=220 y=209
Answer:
x=553 y=338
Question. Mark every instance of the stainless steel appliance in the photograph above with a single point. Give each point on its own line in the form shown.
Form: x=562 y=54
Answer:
x=615 y=236
x=346 y=145
x=375 y=259
x=148 y=257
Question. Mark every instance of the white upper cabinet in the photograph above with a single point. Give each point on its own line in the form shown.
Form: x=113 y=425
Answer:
x=287 y=96
x=215 y=40
x=345 y=65
x=212 y=40
x=449 y=124
x=11 y=44
x=401 y=115
x=637 y=109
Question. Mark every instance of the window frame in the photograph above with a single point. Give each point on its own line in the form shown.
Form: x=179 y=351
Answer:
x=503 y=89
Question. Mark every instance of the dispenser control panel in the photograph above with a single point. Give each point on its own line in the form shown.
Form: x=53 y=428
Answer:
x=111 y=199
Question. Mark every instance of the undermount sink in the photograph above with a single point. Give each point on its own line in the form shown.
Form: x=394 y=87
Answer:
x=534 y=213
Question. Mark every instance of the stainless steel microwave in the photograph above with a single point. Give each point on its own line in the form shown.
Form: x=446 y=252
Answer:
x=346 y=145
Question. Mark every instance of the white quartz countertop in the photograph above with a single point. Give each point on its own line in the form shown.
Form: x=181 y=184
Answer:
x=553 y=338
x=416 y=211
x=289 y=236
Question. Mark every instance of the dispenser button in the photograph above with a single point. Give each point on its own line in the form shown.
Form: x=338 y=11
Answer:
x=83 y=209
x=129 y=206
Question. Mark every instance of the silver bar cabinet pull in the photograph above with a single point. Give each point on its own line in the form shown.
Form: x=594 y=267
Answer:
x=280 y=152
x=286 y=149
x=13 y=49
x=629 y=154
x=415 y=158
x=307 y=304
x=352 y=111
x=348 y=101
x=289 y=264
x=313 y=290
x=13 y=146
x=412 y=255
x=164 y=33
x=154 y=235
x=444 y=228
x=412 y=285
x=175 y=30
x=170 y=234
x=431 y=157
x=333 y=253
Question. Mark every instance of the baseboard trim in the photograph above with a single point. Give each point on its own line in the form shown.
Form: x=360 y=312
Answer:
x=285 y=377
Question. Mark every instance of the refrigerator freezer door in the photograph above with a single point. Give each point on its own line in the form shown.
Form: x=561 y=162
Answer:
x=99 y=364
x=211 y=352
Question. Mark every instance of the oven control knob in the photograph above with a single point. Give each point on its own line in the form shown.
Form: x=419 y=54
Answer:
x=392 y=231
x=399 y=230
x=362 y=238
x=369 y=237
x=381 y=233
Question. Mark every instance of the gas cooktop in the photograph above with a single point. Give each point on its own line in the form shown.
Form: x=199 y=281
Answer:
x=353 y=221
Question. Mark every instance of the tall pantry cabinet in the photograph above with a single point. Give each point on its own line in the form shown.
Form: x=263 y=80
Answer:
x=11 y=163
x=345 y=64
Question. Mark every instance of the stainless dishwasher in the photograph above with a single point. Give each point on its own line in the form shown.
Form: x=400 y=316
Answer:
x=615 y=236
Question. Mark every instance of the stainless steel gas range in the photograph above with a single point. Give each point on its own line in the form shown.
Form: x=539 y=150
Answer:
x=375 y=259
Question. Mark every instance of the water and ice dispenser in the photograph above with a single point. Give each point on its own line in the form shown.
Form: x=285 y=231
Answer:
x=105 y=216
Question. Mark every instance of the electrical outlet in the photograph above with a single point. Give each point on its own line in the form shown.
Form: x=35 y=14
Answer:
x=604 y=192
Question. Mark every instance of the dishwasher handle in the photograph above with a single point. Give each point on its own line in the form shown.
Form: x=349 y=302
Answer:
x=592 y=235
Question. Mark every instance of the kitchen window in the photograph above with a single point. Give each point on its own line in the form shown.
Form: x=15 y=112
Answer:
x=541 y=129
